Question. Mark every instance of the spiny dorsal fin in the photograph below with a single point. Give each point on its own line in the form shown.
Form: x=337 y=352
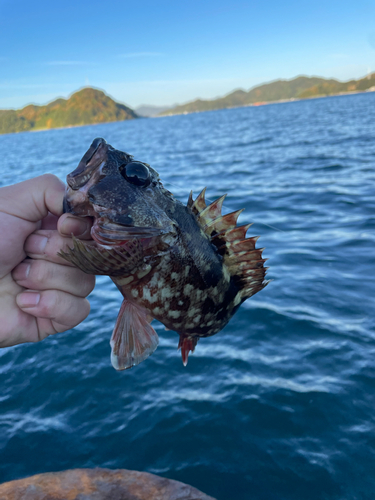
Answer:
x=244 y=255
x=190 y=200
x=244 y=245
x=253 y=288
x=212 y=211
x=224 y=222
x=199 y=204
x=236 y=234
x=249 y=272
x=243 y=261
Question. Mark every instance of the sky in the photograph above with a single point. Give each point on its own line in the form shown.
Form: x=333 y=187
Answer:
x=167 y=52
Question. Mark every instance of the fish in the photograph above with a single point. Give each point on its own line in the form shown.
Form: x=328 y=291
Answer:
x=188 y=266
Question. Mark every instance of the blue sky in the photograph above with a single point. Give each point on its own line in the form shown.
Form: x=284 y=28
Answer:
x=165 y=52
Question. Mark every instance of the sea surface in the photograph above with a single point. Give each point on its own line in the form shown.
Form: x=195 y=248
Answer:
x=281 y=403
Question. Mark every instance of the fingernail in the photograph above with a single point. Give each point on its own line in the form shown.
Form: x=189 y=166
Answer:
x=21 y=272
x=74 y=225
x=28 y=299
x=36 y=244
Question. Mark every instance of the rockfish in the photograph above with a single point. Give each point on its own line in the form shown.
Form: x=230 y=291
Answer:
x=187 y=266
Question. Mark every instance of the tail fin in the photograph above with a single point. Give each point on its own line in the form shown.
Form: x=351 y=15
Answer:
x=133 y=338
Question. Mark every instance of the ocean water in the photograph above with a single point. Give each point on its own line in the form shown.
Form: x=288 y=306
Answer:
x=281 y=403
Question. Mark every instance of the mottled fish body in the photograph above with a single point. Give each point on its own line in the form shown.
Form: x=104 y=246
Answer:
x=187 y=266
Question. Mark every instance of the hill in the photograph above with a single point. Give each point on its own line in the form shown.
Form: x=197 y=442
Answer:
x=87 y=106
x=301 y=87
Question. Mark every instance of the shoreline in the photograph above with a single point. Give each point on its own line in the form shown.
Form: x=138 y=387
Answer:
x=69 y=126
x=256 y=104
x=264 y=103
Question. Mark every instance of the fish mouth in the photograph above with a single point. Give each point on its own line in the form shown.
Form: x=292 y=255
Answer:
x=106 y=232
x=87 y=174
x=76 y=202
x=93 y=159
x=67 y=208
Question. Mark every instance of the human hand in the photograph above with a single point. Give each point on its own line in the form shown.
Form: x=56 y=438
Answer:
x=40 y=293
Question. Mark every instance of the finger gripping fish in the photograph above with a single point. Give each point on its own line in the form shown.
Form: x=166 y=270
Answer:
x=187 y=266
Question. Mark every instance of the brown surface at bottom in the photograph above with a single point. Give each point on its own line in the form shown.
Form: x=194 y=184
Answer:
x=98 y=484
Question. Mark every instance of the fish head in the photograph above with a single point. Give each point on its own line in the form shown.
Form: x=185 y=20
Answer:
x=123 y=195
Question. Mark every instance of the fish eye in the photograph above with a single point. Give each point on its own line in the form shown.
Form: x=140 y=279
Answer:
x=136 y=173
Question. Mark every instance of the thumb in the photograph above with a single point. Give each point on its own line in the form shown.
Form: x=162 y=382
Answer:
x=31 y=200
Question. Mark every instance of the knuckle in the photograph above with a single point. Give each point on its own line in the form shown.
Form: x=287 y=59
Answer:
x=88 y=282
x=40 y=273
x=85 y=310
x=50 y=179
x=79 y=311
x=53 y=244
x=81 y=284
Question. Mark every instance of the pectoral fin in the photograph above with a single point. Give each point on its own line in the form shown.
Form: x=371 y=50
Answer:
x=133 y=338
x=115 y=261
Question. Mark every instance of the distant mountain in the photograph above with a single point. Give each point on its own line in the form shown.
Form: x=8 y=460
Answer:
x=328 y=88
x=301 y=87
x=84 y=107
x=147 y=110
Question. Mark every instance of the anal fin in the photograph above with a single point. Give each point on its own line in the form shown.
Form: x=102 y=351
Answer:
x=133 y=338
x=186 y=344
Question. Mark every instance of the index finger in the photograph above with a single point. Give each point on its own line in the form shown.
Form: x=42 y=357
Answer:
x=39 y=196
